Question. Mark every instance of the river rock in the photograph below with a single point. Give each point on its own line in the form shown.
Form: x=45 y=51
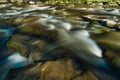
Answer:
x=29 y=40
x=61 y=69
x=7 y=23
x=110 y=23
x=32 y=36
x=17 y=1
x=18 y=21
x=110 y=42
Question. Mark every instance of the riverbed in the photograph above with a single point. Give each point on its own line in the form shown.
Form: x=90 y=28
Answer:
x=31 y=30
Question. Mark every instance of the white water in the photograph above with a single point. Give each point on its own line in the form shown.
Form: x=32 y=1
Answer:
x=13 y=61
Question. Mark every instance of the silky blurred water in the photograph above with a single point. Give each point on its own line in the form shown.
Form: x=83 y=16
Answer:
x=48 y=15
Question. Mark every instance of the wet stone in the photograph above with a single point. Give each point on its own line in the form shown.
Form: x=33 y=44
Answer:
x=6 y=23
x=50 y=71
x=33 y=33
x=109 y=41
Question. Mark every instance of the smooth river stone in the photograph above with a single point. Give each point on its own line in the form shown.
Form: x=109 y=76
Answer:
x=110 y=41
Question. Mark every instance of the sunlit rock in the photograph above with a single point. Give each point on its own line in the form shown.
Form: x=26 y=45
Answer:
x=17 y=1
x=109 y=22
x=50 y=71
x=35 y=33
x=18 y=21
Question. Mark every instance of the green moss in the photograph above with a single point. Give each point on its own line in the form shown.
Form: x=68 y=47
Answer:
x=12 y=44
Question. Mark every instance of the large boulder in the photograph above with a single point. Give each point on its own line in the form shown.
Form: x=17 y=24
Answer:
x=61 y=69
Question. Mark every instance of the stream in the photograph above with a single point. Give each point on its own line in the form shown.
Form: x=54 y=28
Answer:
x=27 y=30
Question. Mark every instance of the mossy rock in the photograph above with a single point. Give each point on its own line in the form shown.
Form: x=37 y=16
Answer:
x=37 y=29
x=110 y=41
x=27 y=46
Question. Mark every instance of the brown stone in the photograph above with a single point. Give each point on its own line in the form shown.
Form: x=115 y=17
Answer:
x=61 y=69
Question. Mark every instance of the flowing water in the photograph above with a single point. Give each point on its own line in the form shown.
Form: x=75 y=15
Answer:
x=72 y=20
